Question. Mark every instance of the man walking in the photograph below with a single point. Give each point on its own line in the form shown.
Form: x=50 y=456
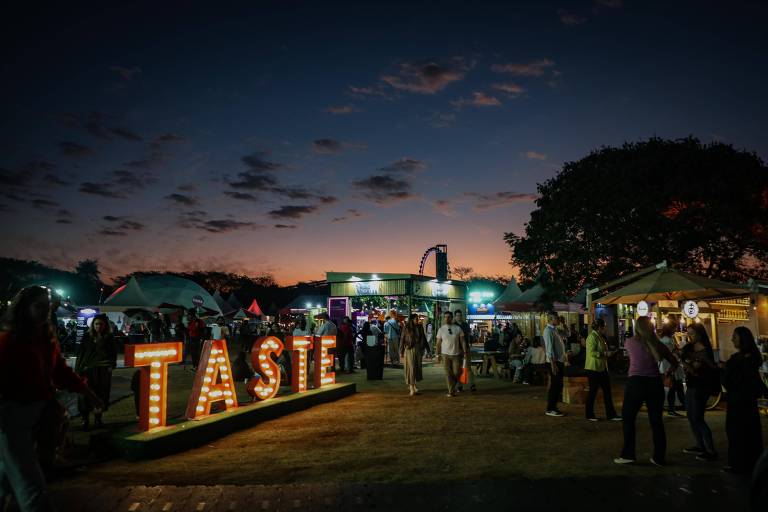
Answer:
x=392 y=337
x=555 y=353
x=451 y=347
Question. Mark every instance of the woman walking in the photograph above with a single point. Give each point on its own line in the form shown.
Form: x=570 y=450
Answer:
x=96 y=359
x=31 y=368
x=742 y=420
x=701 y=377
x=644 y=385
x=596 y=366
x=411 y=346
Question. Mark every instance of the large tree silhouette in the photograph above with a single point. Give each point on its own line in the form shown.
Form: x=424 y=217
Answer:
x=701 y=207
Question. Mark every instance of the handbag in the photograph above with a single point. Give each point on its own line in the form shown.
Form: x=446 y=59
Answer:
x=464 y=375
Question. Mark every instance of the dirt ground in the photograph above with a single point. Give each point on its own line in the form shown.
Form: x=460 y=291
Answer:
x=382 y=435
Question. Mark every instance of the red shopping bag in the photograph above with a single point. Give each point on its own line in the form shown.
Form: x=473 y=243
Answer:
x=464 y=375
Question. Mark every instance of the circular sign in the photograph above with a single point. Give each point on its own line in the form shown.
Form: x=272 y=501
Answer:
x=642 y=308
x=691 y=309
x=197 y=301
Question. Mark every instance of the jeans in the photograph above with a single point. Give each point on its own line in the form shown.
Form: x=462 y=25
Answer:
x=393 y=348
x=452 y=366
x=675 y=389
x=20 y=470
x=555 y=386
x=195 y=348
x=651 y=391
x=603 y=381
x=517 y=366
x=346 y=358
x=696 y=403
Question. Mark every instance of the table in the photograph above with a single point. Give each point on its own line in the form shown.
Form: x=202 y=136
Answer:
x=489 y=361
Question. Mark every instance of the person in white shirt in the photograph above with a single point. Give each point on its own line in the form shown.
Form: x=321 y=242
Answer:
x=555 y=350
x=326 y=328
x=451 y=347
x=215 y=331
x=300 y=328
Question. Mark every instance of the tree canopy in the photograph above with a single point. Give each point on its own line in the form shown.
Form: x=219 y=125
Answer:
x=701 y=207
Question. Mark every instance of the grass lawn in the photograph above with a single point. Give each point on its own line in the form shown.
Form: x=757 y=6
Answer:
x=382 y=435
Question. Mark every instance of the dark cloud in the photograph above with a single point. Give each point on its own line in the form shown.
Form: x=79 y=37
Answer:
x=253 y=181
x=126 y=133
x=100 y=189
x=183 y=200
x=159 y=152
x=130 y=179
x=169 y=138
x=224 y=225
x=124 y=72
x=44 y=204
x=240 y=196
x=74 y=149
x=38 y=166
x=569 y=19
x=292 y=211
x=120 y=226
x=187 y=187
x=426 y=77
x=382 y=188
x=63 y=221
x=404 y=165
x=351 y=213
x=256 y=162
x=285 y=226
x=486 y=201
x=328 y=199
x=367 y=92
x=52 y=179
x=9 y=178
x=98 y=130
x=327 y=146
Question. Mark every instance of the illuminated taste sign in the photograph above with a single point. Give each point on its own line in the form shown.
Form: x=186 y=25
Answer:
x=214 y=382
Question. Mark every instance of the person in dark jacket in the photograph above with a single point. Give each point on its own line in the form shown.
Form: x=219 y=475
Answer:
x=701 y=377
x=742 y=420
x=96 y=358
x=31 y=369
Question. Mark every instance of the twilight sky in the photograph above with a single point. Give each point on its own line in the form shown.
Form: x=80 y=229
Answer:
x=302 y=137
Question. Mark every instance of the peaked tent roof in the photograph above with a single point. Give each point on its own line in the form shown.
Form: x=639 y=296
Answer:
x=129 y=296
x=240 y=315
x=226 y=308
x=510 y=293
x=254 y=309
x=232 y=301
x=161 y=291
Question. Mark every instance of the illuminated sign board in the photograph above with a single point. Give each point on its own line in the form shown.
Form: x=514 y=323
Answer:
x=367 y=287
x=213 y=380
x=691 y=309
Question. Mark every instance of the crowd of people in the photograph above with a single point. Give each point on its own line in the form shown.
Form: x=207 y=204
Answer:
x=32 y=368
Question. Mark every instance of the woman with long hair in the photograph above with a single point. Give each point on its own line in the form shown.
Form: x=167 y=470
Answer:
x=644 y=385
x=742 y=420
x=31 y=369
x=96 y=358
x=596 y=367
x=701 y=378
x=411 y=346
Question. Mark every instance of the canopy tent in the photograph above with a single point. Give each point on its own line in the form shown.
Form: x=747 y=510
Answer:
x=240 y=315
x=232 y=301
x=160 y=292
x=530 y=299
x=671 y=284
x=510 y=293
x=254 y=309
x=224 y=306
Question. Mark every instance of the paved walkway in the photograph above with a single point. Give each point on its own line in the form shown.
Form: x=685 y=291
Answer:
x=604 y=494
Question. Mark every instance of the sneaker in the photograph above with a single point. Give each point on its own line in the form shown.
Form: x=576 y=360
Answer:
x=554 y=413
x=592 y=419
x=622 y=460
x=674 y=414
x=694 y=450
x=656 y=463
x=706 y=457
x=616 y=418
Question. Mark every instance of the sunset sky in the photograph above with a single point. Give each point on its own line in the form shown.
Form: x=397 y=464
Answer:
x=302 y=137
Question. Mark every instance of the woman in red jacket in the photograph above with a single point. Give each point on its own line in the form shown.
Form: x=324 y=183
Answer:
x=31 y=369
